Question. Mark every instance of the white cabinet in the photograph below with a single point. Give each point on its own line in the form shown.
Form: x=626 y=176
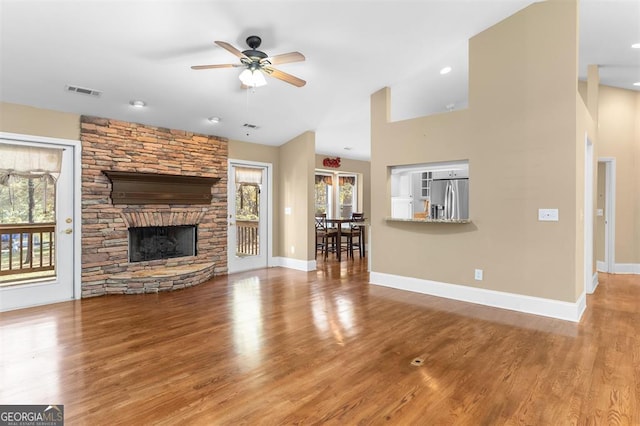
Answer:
x=401 y=208
x=425 y=184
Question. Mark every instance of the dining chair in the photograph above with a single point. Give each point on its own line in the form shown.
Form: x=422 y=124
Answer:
x=354 y=234
x=324 y=235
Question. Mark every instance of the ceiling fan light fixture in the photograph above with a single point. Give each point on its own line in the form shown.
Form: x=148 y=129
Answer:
x=252 y=78
x=137 y=103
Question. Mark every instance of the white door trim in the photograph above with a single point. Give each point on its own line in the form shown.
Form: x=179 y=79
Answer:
x=269 y=185
x=77 y=197
x=588 y=217
x=610 y=212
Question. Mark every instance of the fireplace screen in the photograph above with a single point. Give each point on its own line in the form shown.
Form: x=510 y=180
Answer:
x=162 y=242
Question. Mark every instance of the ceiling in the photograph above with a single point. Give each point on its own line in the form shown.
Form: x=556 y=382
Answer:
x=143 y=50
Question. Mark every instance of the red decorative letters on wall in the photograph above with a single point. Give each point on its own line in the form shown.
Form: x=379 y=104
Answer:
x=331 y=162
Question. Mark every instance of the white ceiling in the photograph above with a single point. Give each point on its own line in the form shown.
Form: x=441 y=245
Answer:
x=144 y=49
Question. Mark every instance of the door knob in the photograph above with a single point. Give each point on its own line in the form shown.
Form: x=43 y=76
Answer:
x=68 y=231
x=69 y=220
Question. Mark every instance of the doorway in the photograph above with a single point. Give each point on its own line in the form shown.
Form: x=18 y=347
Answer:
x=605 y=215
x=249 y=215
x=40 y=252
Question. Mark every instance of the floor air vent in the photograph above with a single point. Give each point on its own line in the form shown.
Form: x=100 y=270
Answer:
x=82 y=90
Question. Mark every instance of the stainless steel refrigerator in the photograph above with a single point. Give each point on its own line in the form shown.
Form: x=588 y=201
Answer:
x=450 y=199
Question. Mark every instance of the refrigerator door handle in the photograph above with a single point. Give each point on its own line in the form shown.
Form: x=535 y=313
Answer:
x=447 y=201
x=453 y=202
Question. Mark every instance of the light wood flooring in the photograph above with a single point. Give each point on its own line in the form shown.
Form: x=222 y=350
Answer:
x=279 y=346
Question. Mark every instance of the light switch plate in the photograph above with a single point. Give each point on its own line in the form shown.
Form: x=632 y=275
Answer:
x=548 y=215
x=478 y=274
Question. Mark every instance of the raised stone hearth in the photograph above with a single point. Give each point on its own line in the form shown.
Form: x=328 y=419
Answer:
x=159 y=279
x=131 y=148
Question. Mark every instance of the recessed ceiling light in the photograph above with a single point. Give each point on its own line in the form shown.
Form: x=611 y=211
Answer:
x=637 y=83
x=214 y=120
x=635 y=46
x=138 y=104
x=445 y=70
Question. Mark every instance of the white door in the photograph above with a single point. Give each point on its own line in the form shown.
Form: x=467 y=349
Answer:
x=59 y=285
x=248 y=216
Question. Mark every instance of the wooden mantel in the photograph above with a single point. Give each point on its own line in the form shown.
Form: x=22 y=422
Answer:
x=156 y=188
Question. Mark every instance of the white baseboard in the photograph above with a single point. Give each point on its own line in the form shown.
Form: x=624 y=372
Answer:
x=300 y=265
x=516 y=302
x=627 y=268
x=594 y=283
x=601 y=266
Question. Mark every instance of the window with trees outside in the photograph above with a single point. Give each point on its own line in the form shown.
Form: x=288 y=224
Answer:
x=336 y=194
x=27 y=211
x=27 y=222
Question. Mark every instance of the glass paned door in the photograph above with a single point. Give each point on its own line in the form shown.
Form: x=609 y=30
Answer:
x=36 y=237
x=247 y=218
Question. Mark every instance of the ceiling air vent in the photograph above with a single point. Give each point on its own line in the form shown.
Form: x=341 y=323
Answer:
x=83 y=90
x=250 y=126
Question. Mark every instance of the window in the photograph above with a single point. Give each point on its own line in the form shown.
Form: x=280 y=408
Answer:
x=347 y=195
x=324 y=194
x=27 y=217
x=27 y=200
x=336 y=194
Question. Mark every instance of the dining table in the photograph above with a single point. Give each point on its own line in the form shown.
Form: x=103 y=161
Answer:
x=337 y=222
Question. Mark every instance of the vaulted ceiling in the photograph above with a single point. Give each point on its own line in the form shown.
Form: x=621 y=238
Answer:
x=143 y=50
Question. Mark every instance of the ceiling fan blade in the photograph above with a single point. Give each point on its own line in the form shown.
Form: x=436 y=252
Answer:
x=207 y=67
x=288 y=78
x=232 y=49
x=285 y=58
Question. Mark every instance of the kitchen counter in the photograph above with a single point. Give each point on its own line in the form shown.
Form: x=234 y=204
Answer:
x=450 y=221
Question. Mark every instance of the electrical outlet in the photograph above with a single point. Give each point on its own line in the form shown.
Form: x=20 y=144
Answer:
x=548 y=215
x=478 y=275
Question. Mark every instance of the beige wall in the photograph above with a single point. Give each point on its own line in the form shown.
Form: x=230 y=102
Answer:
x=264 y=154
x=525 y=145
x=297 y=164
x=619 y=137
x=38 y=122
x=363 y=169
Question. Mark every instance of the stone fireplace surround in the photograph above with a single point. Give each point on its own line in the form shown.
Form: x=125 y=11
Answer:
x=161 y=274
x=129 y=147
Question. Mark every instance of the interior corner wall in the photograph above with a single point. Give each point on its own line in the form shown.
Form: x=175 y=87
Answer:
x=619 y=138
x=295 y=185
x=363 y=168
x=263 y=154
x=26 y=120
x=519 y=135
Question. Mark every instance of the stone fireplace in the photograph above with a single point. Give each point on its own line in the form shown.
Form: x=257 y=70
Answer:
x=110 y=211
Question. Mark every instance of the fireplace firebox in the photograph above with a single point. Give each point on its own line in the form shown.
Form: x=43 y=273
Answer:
x=162 y=242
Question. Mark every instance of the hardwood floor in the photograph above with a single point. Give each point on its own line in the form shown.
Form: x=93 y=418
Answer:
x=279 y=346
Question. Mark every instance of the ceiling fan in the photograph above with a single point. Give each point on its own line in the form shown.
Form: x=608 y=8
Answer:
x=258 y=63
